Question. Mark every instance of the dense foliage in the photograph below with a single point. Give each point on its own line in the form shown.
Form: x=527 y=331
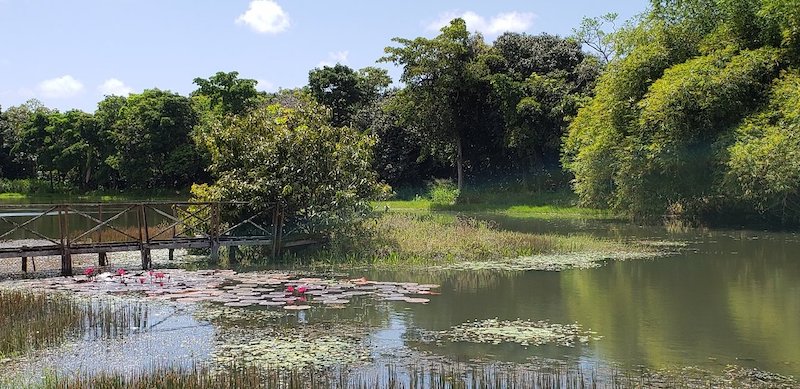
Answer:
x=488 y=109
x=697 y=117
x=688 y=110
x=292 y=156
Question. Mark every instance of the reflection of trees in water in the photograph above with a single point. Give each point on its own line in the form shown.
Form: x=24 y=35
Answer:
x=737 y=299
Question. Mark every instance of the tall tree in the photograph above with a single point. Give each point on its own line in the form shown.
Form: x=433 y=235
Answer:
x=441 y=94
x=593 y=33
x=539 y=82
x=153 y=142
x=228 y=94
x=345 y=90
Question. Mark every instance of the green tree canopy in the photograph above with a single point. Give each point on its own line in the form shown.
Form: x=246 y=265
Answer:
x=672 y=120
x=227 y=93
x=152 y=136
x=295 y=157
x=345 y=90
x=442 y=93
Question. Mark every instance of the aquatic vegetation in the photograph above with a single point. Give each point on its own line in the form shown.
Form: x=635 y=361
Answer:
x=417 y=376
x=286 y=291
x=434 y=239
x=294 y=350
x=31 y=321
x=548 y=262
x=523 y=332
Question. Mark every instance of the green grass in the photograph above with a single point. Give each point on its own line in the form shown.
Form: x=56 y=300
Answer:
x=39 y=191
x=396 y=239
x=518 y=203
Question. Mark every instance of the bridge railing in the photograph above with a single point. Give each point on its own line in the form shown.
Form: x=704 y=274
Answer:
x=33 y=230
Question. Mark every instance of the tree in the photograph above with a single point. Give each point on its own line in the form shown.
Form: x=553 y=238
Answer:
x=681 y=124
x=153 y=143
x=345 y=90
x=228 y=94
x=539 y=82
x=442 y=78
x=17 y=119
x=293 y=156
x=592 y=33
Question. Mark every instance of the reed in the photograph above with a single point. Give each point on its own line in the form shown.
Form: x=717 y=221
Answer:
x=31 y=321
x=445 y=376
x=438 y=238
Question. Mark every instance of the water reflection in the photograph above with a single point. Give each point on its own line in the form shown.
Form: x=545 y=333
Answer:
x=732 y=297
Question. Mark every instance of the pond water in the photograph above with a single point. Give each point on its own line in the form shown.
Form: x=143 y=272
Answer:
x=727 y=297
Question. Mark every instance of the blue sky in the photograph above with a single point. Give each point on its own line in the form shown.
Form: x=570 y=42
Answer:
x=68 y=54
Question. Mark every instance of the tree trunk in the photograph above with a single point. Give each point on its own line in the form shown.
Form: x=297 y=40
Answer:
x=88 y=176
x=460 y=164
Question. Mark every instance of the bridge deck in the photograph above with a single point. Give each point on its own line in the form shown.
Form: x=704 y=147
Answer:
x=183 y=226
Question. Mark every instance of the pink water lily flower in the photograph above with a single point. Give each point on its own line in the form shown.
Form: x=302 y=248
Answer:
x=121 y=272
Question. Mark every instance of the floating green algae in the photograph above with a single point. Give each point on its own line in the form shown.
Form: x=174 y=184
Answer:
x=523 y=332
x=548 y=262
x=294 y=351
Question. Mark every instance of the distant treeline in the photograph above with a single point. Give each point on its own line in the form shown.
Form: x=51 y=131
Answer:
x=691 y=109
x=508 y=103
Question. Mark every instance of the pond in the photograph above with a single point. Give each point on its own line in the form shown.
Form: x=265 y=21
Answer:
x=726 y=297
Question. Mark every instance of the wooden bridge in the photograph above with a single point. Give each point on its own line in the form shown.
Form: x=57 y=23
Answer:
x=101 y=228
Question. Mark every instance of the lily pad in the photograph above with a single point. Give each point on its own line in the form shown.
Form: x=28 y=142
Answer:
x=297 y=307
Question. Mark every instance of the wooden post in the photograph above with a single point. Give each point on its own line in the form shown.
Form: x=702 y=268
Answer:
x=275 y=232
x=66 y=256
x=24 y=260
x=144 y=247
x=100 y=217
x=232 y=254
x=214 y=231
x=280 y=232
x=171 y=254
x=102 y=258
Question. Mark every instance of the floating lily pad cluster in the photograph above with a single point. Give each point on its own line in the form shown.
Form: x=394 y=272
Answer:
x=524 y=332
x=281 y=290
x=547 y=262
x=292 y=293
x=293 y=351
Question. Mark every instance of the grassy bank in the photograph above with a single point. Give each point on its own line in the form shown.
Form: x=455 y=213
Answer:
x=440 y=239
x=517 y=202
x=37 y=191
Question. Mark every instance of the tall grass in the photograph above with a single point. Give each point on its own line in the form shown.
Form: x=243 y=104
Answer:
x=32 y=186
x=31 y=321
x=437 y=377
x=512 y=201
x=436 y=238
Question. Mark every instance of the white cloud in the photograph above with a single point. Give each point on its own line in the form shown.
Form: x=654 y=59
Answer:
x=334 y=58
x=500 y=23
x=265 y=16
x=264 y=85
x=114 y=87
x=61 y=87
